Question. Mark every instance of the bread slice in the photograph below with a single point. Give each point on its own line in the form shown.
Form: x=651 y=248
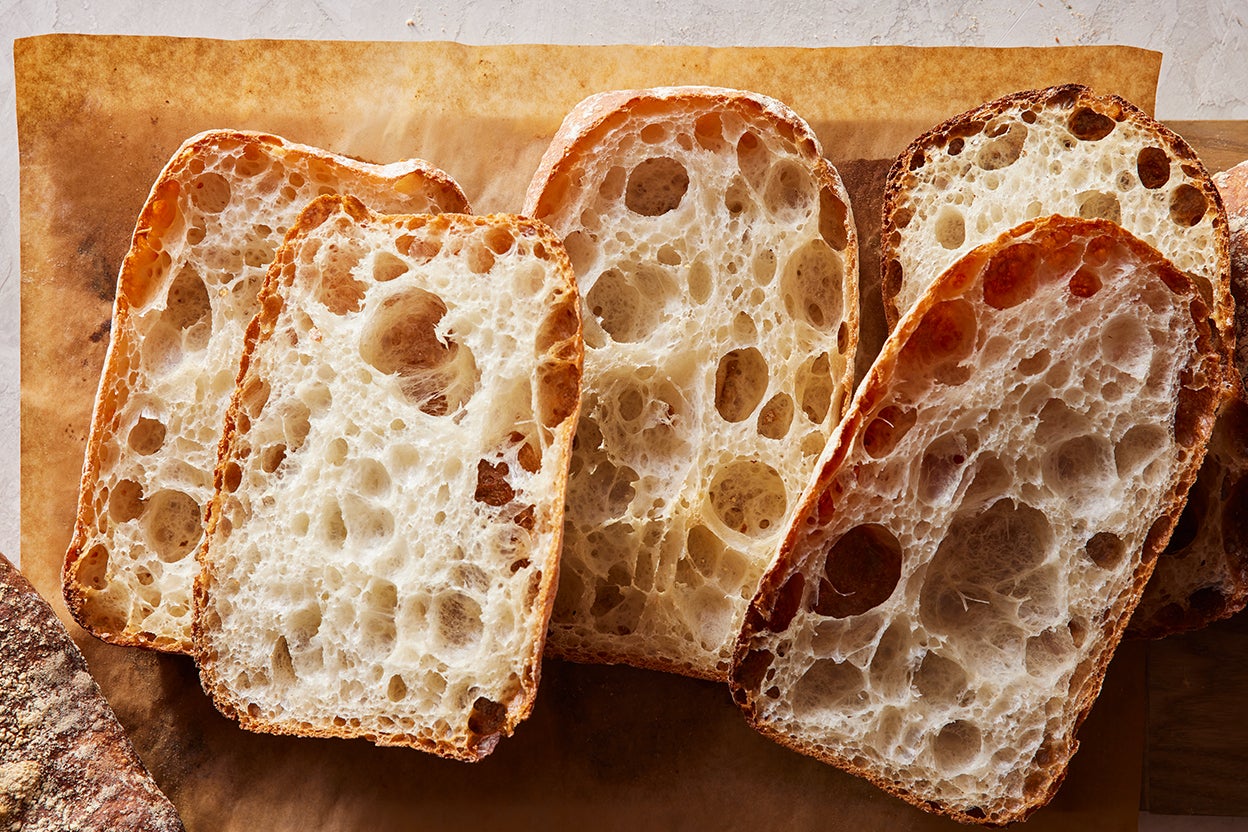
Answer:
x=186 y=292
x=955 y=581
x=65 y=760
x=1232 y=185
x=1202 y=576
x=383 y=542
x=1060 y=150
x=717 y=259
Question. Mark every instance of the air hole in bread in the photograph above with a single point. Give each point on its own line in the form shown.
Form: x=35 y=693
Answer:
x=656 y=186
x=1010 y=277
x=950 y=227
x=172 y=524
x=271 y=457
x=92 y=569
x=888 y=427
x=338 y=289
x=210 y=192
x=282 y=669
x=1056 y=421
x=944 y=336
x=372 y=478
x=943 y=465
x=738 y=198
x=811 y=284
x=1153 y=166
x=1081 y=468
x=956 y=746
x=582 y=251
x=1106 y=550
x=499 y=240
x=708 y=130
x=740 y=382
x=788 y=194
x=404 y=338
x=376 y=615
x=560 y=325
x=480 y=258
x=815 y=387
x=776 y=416
x=655 y=133
x=860 y=572
x=704 y=550
x=125 y=501
x=1187 y=205
x=396 y=689
x=147 y=436
x=1084 y=283
x=749 y=497
x=1004 y=150
x=983 y=554
x=753 y=159
x=487 y=717
x=1099 y=205
x=387 y=267
x=1088 y=125
x=700 y=283
x=1035 y=363
x=1046 y=653
x=1189 y=411
x=827 y=688
x=940 y=681
x=254 y=395
x=333 y=525
x=187 y=303
x=458 y=621
x=1127 y=345
x=629 y=305
x=493 y=489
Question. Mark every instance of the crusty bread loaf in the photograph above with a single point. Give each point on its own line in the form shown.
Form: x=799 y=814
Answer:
x=1202 y=576
x=1060 y=150
x=383 y=541
x=65 y=760
x=185 y=294
x=717 y=260
x=956 y=579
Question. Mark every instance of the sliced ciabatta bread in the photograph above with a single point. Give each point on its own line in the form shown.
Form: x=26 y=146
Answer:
x=186 y=291
x=717 y=259
x=1060 y=150
x=954 y=582
x=383 y=541
x=1202 y=576
x=65 y=760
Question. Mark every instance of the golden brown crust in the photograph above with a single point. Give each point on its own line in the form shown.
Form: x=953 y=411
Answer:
x=565 y=350
x=133 y=288
x=773 y=606
x=65 y=760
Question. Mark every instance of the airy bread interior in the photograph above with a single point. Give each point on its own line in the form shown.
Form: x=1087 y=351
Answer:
x=955 y=581
x=717 y=259
x=1060 y=150
x=186 y=292
x=383 y=542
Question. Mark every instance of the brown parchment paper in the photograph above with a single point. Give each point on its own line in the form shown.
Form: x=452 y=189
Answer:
x=607 y=748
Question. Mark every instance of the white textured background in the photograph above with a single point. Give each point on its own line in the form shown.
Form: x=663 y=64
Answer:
x=1204 y=76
